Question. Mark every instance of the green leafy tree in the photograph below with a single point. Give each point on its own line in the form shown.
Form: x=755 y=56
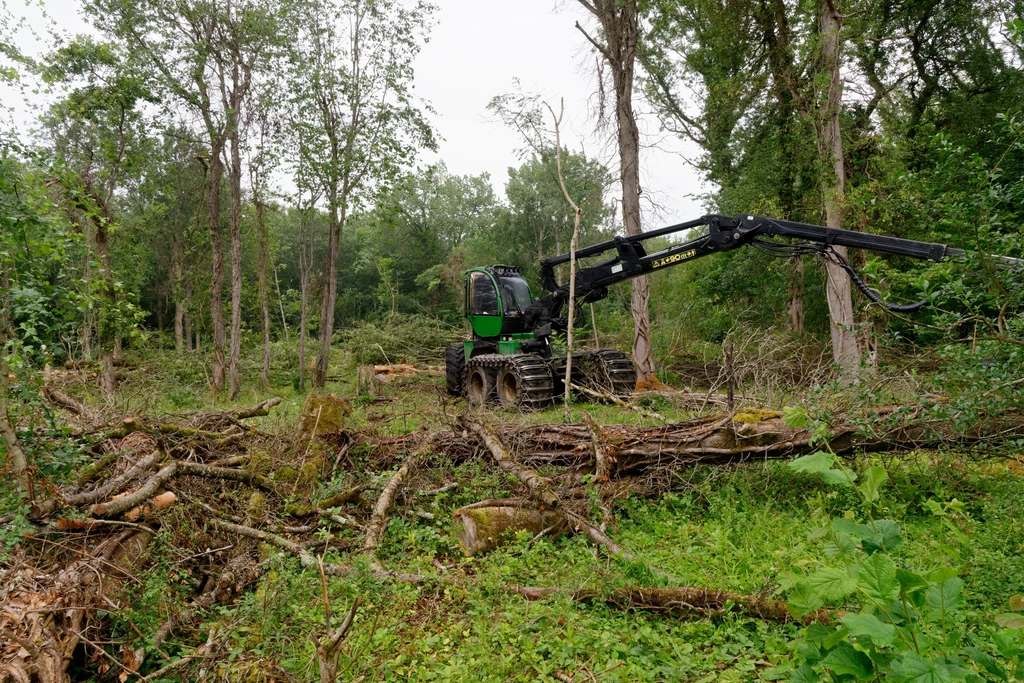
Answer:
x=355 y=119
x=98 y=137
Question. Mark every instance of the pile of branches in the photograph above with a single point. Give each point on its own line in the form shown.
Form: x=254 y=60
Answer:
x=200 y=482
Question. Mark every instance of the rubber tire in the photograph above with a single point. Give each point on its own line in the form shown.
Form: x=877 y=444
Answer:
x=454 y=369
x=480 y=385
x=506 y=386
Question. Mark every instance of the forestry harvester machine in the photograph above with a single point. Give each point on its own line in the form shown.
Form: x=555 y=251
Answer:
x=510 y=359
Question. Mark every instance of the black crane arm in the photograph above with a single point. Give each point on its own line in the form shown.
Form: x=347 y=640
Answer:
x=724 y=233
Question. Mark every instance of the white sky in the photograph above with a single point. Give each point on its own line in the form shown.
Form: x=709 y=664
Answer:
x=476 y=49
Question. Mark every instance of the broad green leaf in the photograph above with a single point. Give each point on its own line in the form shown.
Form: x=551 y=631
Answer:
x=940 y=574
x=805 y=674
x=935 y=507
x=913 y=668
x=817 y=633
x=946 y=596
x=838 y=477
x=873 y=480
x=836 y=637
x=1009 y=643
x=795 y=416
x=802 y=599
x=855 y=529
x=1017 y=603
x=877 y=579
x=841 y=545
x=869 y=625
x=886 y=537
x=1010 y=620
x=910 y=582
x=813 y=463
x=986 y=661
x=846 y=660
x=831 y=583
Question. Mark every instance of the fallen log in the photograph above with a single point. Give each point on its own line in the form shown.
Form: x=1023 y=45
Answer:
x=744 y=436
x=702 y=602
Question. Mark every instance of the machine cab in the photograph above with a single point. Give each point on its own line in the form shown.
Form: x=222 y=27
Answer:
x=496 y=297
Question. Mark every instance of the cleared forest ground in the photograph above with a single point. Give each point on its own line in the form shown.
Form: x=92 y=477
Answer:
x=237 y=607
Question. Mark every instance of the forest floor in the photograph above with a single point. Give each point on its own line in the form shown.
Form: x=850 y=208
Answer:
x=737 y=527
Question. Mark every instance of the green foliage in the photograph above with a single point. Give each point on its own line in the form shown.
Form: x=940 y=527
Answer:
x=910 y=623
x=404 y=339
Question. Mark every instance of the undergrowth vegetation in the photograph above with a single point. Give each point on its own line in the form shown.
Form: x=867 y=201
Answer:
x=738 y=529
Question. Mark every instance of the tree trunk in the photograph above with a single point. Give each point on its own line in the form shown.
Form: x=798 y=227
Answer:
x=261 y=227
x=188 y=319
x=179 y=308
x=795 y=305
x=235 y=171
x=107 y=337
x=330 y=297
x=830 y=153
x=304 y=263
x=217 y=270
x=620 y=25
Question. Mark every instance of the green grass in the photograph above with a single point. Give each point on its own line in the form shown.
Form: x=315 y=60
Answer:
x=735 y=529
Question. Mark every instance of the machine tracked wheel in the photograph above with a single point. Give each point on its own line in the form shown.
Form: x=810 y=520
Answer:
x=524 y=381
x=612 y=372
x=480 y=381
x=454 y=369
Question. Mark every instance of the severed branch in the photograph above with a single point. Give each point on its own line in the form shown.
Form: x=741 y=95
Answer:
x=337 y=500
x=539 y=487
x=379 y=520
x=45 y=507
x=114 y=507
x=305 y=559
x=604 y=460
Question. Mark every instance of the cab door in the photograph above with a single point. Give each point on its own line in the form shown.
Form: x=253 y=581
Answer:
x=483 y=305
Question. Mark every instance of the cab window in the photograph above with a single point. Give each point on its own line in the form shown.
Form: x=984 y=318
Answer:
x=515 y=294
x=482 y=295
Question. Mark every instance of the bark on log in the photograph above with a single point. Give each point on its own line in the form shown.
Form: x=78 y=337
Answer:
x=46 y=507
x=113 y=508
x=337 y=500
x=539 y=487
x=702 y=602
x=748 y=435
x=480 y=529
x=379 y=521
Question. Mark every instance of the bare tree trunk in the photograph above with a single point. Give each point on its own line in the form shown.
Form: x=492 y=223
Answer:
x=261 y=227
x=573 y=245
x=235 y=173
x=107 y=337
x=830 y=151
x=217 y=270
x=179 y=308
x=305 y=249
x=795 y=305
x=620 y=26
x=330 y=297
x=188 y=318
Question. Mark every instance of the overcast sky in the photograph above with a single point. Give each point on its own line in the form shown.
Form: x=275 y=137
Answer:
x=476 y=50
